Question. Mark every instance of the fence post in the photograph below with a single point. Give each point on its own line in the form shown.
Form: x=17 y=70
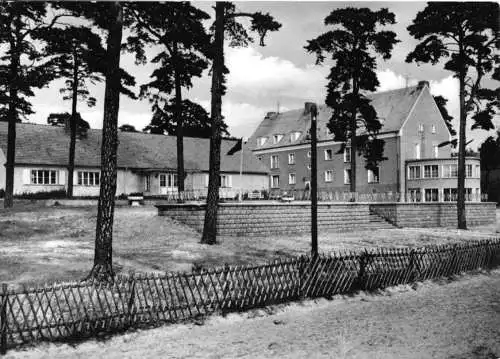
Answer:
x=363 y=258
x=130 y=304
x=3 y=320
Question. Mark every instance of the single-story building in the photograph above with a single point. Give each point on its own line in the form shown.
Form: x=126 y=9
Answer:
x=146 y=162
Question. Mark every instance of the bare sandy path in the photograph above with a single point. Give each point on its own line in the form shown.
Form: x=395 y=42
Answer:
x=459 y=319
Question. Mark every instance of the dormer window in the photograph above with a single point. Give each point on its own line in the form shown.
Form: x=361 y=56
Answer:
x=421 y=128
x=294 y=136
x=261 y=141
x=433 y=129
x=277 y=138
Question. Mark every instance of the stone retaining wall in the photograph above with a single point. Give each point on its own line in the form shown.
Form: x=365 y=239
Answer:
x=434 y=214
x=262 y=218
x=271 y=218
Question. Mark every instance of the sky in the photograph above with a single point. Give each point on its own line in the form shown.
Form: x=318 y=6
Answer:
x=281 y=75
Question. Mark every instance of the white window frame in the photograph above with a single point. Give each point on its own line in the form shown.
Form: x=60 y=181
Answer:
x=275 y=161
x=450 y=171
x=294 y=136
x=347 y=176
x=225 y=181
x=347 y=154
x=291 y=158
x=436 y=150
x=329 y=176
x=431 y=190
x=88 y=178
x=277 y=138
x=371 y=176
x=309 y=166
x=431 y=167
x=147 y=183
x=417 y=151
x=261 y=141
x=44 y=177
x=308 y=154
x=420 y=128
x=477 y=168
x=433 y=129
x=468 y=174
x=328 y=154
x=414 y=168
x=292 y=178
x=272 y=181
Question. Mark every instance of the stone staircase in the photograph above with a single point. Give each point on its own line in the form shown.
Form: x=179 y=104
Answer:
x=379 y=222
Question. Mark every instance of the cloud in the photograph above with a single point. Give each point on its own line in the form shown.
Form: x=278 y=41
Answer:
x=255 y=75
x=390 y=80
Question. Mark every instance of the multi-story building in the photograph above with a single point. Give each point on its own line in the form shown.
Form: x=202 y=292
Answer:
x=412 y=128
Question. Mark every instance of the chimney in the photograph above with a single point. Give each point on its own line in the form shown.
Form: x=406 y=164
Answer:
x=421 y=84
x=270 y=115
x=309 y=107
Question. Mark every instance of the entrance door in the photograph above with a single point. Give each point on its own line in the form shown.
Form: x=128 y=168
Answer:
x=168 y=183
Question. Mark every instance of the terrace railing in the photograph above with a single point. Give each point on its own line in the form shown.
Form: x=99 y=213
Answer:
x=76 y=310
x=324 y=195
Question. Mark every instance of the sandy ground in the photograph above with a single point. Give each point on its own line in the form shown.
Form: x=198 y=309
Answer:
x=458 y=319
x=44 y=244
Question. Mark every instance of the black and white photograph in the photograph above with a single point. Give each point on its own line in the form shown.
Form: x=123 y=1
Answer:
x=250 y=179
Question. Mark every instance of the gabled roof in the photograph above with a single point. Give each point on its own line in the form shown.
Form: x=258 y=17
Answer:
x=49 y=145
x=393 y=107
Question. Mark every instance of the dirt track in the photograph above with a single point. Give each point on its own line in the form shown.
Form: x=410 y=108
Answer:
x=459 y=319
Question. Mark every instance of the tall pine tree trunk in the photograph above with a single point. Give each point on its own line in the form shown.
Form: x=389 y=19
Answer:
x=103 y=268
x=180 y=127
x=73 y=119
x=210 y=225
x=11 y=137
x=462 y=224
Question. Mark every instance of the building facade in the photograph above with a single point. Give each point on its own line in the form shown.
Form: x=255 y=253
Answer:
x=412 y=128
x=147 y=163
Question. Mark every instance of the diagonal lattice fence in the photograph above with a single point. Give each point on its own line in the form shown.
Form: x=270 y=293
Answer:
x=78 y=310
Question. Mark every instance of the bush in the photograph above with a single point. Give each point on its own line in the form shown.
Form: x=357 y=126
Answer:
x=2 y=193
x=136 y=194
x=59 y=193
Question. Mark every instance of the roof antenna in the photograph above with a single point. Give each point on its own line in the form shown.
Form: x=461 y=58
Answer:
x=278 y=107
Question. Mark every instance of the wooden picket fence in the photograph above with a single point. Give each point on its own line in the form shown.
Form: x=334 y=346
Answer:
x=77 y=310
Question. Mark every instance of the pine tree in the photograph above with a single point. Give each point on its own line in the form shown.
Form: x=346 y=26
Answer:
x=225 y=24
x=176 y=28
x=465 y=35
x=76 y=55
x=22 y=69
x=350 y=44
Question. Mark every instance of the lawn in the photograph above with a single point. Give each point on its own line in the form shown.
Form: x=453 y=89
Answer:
x=45 y=244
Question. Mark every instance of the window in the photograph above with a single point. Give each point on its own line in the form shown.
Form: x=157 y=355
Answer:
x=147 y=183
x=373 y=175
x=450 y=194
x=347 y=176
x=261 y=141
x=274 y=161
x=421 y=128
x=309 y=166
x=291 y=178
x=450 y=171
x=291 y=158
x=436 y=151
x=43 y=177
x=414 y=172
x=294 y=136
x=275 y=181
x=308 y=154
x=88 y=178
x=468 y=194
x=433 y=129
x=328 y=155
x=169 y=180
x=347 y=154
x=328 y=176
x=431 y=195
x=259 y=158
x=414 y=195
x=225 y=181
x=431 y=171
x=277 y=138
x=478 y=171
x=468 y=170
x=417 y=151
